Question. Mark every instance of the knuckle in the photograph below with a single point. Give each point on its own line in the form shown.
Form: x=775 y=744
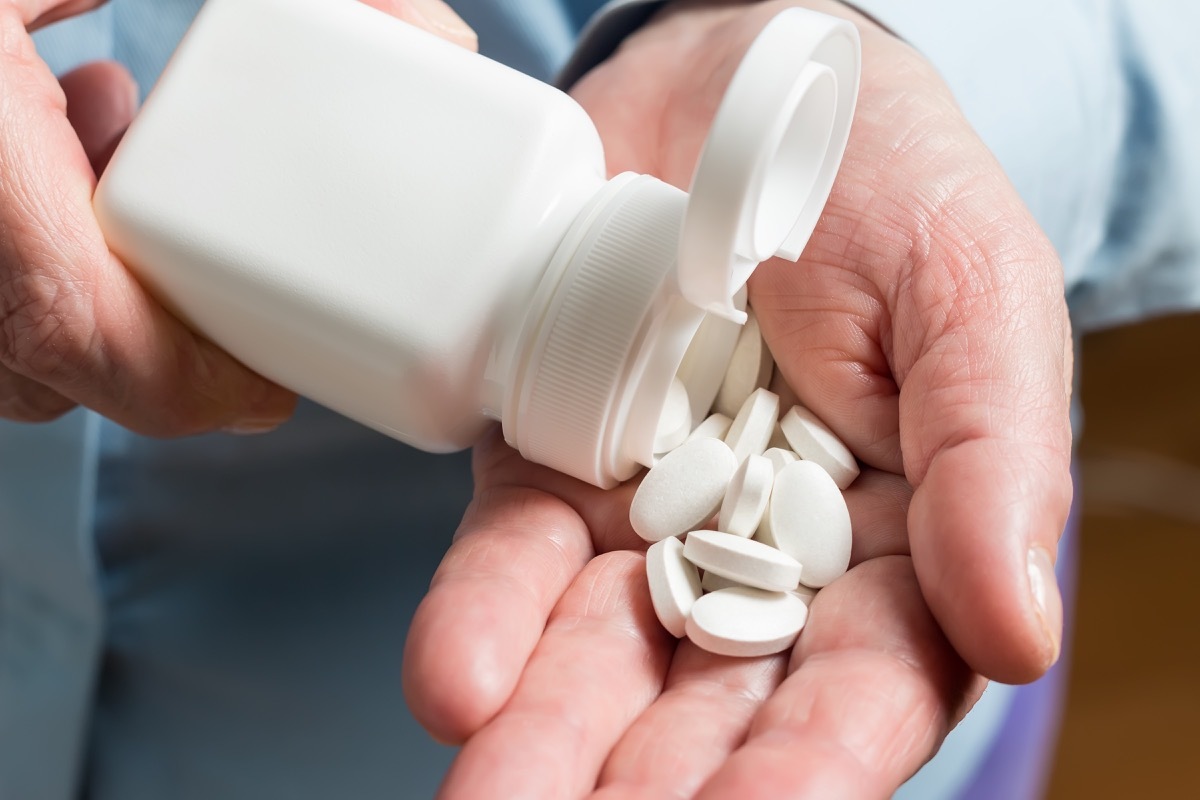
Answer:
x=43 y=329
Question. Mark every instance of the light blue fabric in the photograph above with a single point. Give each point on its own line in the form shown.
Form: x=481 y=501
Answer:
x=51 y=616
x=240 y=604
x=1092 y=109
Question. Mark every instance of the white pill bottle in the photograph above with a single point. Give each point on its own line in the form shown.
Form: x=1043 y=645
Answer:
x=426 y=241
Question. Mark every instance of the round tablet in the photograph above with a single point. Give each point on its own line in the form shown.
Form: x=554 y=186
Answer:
x=746 y=561
x=747 y=496
x=813 y=441
x=674 y=584
x=741 y=621
x=808 y=519
x=683 y=490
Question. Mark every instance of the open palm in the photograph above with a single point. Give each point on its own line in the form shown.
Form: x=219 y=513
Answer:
x=926 y=325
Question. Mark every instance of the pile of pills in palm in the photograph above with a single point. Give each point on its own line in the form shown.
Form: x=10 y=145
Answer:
x=745 y=512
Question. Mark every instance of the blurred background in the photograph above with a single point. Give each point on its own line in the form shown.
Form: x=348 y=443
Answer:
x=1133 y=712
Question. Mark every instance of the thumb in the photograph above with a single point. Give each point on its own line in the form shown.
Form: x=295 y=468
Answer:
x=431 y=15
x=101 y=102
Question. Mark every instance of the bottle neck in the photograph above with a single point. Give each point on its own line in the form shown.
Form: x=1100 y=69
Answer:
x=590 y=356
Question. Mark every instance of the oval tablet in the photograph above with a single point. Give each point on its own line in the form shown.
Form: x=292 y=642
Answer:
x=751 y=428
x=749 y=368
x=683 y=490
x=746 y=561
x=746 y=498
x=674 y=584
x=808 y=519
x=741 y=621
x=714 y=427
x=813 y=441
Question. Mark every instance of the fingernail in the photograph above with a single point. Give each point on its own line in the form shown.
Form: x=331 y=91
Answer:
x=441 y=19
x=1043 y=587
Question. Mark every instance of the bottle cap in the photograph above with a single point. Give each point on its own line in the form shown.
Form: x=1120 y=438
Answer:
x=771 y=155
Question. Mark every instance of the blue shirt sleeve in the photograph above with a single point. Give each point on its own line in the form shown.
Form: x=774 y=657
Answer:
x=1088 y=106
x=603 y=33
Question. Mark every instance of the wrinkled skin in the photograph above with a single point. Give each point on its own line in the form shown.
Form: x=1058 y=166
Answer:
x=926 y=324
x=75 y=327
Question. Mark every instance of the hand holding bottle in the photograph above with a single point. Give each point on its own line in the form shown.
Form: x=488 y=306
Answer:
x=75 y=326
x=926 y=323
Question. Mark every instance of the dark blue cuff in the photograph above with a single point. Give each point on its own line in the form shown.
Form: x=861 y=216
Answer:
x=603 y=35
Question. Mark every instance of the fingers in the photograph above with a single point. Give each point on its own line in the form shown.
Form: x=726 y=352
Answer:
x=74 y=326
x=432 y=15
x=39 y=13
x=514 y=555
x=71 y=318
x=926 y=267
x=600 y=663
x=982 y=529
x=878 y=502
x=980 y=330
x=101 y=102
x=701 y=717
x=876 y=688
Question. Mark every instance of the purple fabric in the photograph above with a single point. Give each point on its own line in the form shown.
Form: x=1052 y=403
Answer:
x=1018 y=767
